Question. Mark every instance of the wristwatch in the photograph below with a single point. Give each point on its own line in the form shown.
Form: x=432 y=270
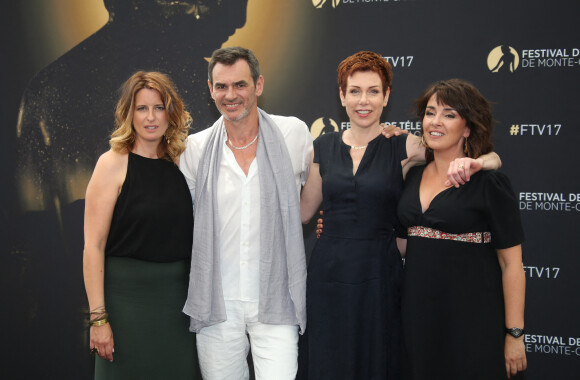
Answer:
x=516 y=332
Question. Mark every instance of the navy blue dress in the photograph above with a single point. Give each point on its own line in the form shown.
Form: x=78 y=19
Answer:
x=354 y=274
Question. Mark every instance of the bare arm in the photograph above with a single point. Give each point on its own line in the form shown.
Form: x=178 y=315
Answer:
x=489 y=161
x=460 y=170
x=415 y=153
x=402 y=246
x=101 y=196
x=514 y=292
x=311 y=196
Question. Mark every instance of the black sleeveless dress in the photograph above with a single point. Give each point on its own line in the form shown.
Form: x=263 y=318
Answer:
x=354 y=274
x=147 y=265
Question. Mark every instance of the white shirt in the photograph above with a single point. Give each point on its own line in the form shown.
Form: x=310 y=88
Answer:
x=239 y=204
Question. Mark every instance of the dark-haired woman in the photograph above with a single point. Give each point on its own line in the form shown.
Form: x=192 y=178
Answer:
x=464 y=283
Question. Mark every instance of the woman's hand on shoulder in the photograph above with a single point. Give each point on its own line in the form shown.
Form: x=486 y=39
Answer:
x=515 y=355
x=390 y=130
x=461 y=169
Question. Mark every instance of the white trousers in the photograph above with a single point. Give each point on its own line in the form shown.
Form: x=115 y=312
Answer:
x=223 y=348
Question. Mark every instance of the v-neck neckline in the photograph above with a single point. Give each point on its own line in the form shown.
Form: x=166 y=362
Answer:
x=363 y=158
x=418 y=194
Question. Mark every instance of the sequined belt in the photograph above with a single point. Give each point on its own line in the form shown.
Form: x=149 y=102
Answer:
x=469 y=237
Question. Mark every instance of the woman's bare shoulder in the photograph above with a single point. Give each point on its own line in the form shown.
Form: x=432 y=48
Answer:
x=111 y=160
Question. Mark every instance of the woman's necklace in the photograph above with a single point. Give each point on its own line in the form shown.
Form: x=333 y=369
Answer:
x=358 y=147
x=242 y=147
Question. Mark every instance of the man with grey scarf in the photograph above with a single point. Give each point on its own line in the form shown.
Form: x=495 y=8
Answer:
x=248 y=269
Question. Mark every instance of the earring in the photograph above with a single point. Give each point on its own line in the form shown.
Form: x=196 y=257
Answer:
x=423 y=142
x=465 y=146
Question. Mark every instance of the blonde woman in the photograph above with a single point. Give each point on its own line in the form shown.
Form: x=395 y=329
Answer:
x=138 y=235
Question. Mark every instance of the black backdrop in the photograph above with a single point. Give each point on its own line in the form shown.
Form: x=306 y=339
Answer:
x=58 y=110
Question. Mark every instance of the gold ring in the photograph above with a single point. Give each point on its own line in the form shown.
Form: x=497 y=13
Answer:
x=461 y=166
x=94 y=350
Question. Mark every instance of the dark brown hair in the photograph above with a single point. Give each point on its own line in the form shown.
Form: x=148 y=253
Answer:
x=470 y=104
x=230 y=55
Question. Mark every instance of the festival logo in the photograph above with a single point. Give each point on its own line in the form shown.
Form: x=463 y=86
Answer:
x=320 y=3
x=323 y=125
x=504 y=58
x=334 y=3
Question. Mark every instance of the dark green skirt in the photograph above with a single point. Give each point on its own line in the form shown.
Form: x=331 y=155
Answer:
x=151 y=334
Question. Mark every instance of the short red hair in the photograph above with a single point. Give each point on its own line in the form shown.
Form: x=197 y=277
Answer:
x=365 y=61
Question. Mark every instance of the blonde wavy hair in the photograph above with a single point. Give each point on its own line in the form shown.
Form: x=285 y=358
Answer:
x=123 y=137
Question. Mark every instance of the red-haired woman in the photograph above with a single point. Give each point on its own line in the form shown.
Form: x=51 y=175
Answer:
x=355 y=272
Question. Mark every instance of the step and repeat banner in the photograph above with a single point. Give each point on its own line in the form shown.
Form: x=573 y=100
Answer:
x=62 y=66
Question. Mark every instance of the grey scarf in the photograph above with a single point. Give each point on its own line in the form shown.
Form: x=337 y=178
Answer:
x=282 y=259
